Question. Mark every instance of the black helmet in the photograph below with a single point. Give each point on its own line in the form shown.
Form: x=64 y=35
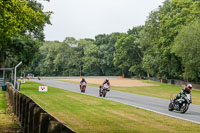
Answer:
x=83 y=79
x=107 y=80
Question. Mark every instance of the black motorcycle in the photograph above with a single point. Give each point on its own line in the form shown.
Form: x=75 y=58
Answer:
x=181 y=104
x=103 y=90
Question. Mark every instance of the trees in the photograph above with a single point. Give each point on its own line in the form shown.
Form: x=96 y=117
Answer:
x=21 y=26
x=157 y=48
x=186 y=46
x=176 y=15
x=106 y=50
x=128 y=55
x=91 y=62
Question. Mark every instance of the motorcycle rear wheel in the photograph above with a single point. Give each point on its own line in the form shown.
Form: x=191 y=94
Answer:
x=100 y=93
x=183 y=109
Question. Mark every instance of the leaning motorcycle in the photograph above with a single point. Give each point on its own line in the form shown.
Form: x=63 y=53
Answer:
x=103 y=90
x=83 y=87
x=181 y=104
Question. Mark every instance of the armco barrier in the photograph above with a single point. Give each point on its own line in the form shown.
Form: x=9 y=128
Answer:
x=172 y=81
x=32 y=117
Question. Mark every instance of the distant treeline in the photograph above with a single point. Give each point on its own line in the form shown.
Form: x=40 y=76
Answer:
x=167 y=47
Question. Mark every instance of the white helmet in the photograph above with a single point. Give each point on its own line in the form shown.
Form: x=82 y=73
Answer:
x=189 y=86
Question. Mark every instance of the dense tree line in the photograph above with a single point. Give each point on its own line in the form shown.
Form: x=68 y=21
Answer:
x=166 y=47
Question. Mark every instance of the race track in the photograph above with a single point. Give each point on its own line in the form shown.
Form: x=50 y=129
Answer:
x=145 y=102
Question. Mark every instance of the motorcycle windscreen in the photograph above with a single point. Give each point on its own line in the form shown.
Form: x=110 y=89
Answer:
x=105 y=86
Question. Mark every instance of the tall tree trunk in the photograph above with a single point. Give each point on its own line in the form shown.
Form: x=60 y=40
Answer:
x=2 y=59
x=148 y=75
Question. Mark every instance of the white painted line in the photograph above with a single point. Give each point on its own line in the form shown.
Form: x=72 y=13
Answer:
x=149 y=110
x=161 y=113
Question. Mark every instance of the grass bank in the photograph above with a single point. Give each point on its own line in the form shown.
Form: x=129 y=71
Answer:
x=7 y=123
x=85 y=113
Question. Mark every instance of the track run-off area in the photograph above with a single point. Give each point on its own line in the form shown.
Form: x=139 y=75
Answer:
x=157 y=105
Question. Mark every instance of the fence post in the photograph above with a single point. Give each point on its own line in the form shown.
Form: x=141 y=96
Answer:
x=23 y=106
x=30 y=117
x=36 y=119
x=10 y=95
x=44 y=122
x=20 y=106
x=53 y=127
x=14 y=102
x=26 y=115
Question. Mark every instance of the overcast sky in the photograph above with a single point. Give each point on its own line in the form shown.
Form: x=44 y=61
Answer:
x=88 y=18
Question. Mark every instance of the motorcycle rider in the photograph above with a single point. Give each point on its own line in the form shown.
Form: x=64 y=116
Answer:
x=186 y=90
x=106 y=82
x=83 y=80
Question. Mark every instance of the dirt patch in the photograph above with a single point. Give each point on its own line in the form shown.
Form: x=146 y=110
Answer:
x=115 y=82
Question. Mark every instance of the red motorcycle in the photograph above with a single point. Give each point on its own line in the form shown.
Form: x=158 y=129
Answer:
x=83 y=87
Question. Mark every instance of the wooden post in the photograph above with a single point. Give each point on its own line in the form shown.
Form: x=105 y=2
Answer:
x=14 y=102
x=20 y=107
x=44 y=122
x=23 y=110
x=30 y=117
x=57 y=127
x=53 y=127
x=36 y=119
x=26 y=115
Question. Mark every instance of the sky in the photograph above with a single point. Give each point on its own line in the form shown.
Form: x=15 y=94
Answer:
x=88 y=18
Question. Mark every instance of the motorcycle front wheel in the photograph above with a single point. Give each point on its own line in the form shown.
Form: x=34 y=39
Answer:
x=104 y=93
x=170 y=107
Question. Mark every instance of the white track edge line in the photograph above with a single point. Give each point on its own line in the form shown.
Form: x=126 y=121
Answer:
x=162 y=113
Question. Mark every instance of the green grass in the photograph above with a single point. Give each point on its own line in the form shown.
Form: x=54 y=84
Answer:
x=3 y=105
x=165 y=91
x=7 y=124
x=85 y=113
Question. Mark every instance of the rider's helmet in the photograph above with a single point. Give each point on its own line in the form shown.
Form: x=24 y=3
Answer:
x=83 y=79
x=107 y=80
x=189 y=86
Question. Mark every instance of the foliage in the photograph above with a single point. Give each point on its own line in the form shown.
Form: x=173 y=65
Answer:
x=106 y=50
x=186 y=46
x=154 y=49
x=176 y=15
x=77 y=57
x=22 y=24
x=91 y=63
x=128 y=55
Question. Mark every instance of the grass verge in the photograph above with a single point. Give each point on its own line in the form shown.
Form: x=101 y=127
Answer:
x=7 y=123
x=85 y=113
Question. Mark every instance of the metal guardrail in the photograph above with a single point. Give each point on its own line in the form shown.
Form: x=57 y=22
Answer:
x=1 y=81
x=68 y=77
x=172 y=81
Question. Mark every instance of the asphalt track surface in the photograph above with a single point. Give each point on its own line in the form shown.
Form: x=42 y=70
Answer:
x=145 y=102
